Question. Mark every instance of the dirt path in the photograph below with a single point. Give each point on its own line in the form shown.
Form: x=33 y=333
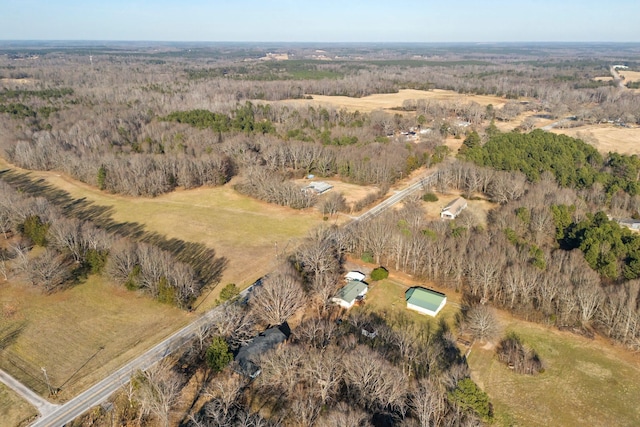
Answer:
x=616 y=78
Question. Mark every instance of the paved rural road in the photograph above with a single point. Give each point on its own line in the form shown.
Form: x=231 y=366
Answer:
x=100 y=392
x=42 y=405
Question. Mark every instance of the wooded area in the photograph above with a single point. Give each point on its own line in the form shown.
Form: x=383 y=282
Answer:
x=141 y=123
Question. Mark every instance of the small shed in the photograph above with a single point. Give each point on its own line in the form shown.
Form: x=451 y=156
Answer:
x=354 y=275
x=319 y=187
x=425 y=301
x=352 y=291
x=453 y=209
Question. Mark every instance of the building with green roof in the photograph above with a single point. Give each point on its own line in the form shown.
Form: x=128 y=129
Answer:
x=352 y=291
x=425 y=301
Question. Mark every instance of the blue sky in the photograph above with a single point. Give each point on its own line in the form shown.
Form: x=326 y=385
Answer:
x=322 y=21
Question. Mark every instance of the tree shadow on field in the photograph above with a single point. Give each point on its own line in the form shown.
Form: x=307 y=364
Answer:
x=9 y=333
x=202 y=259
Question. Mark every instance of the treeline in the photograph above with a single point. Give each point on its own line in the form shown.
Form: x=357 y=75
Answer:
x=574 y=163
x=140 y=156
x=115 y=111
x=610 y=249
x=49 y=93
x=242 y=119
x=70 y=248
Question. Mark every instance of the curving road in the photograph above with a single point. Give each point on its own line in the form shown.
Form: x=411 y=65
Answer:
x=58 y=416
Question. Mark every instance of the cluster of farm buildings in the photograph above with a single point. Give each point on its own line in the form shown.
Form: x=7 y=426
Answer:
x=422 y=300
x=419 y=299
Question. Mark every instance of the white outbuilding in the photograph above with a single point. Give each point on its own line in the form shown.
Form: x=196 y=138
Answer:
x=354 y=275
x=425 y=301
x=453 y=209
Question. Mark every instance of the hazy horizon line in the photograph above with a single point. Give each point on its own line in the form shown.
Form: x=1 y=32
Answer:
x=311 y=42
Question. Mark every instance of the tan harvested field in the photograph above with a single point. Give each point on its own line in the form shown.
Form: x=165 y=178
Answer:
x=386 y=101
x=630 y=76
x=17 y=82
x=603 y=79
x=80 y=334
x=609 y=137
x=585 y=382
x=14 y=411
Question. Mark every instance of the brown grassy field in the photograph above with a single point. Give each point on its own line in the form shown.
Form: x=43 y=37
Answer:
x=387 y=101
x=103 y=325
x=14 y=411
x=608 y=137
x=585 y=382
x=80 y=334
x=243 y=230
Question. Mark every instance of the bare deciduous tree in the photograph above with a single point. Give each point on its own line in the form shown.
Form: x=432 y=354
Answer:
x=345 y=415
x=278 y=298
x=157 y=390
x=482 y=322
x=428 y=404
x=48 y=270
x=321 y=259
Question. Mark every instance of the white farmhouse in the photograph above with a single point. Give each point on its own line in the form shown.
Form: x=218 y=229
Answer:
x=350 y=293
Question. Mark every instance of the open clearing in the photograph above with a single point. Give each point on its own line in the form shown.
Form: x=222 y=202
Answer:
x=586 y=382
x=387 y=101
x=241 y=229
x=629 y=76
x=386 y=298
x=478 y=208
x=609 y=137
x=14 y=411
x=351 y=192
x=78 y=335
x=17 y=82
x=81 y=334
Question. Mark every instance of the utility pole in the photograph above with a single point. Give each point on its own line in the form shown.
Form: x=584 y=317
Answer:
x=46 y=377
